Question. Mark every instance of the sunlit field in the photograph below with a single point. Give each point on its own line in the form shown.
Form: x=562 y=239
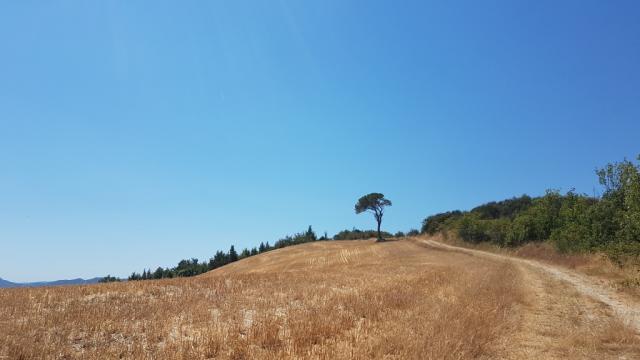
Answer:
x=324 y=300
x=327 y=300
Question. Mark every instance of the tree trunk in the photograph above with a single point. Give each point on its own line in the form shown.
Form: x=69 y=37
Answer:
x=379 y=236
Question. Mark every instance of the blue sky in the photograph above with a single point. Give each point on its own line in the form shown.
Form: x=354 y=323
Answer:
x=135 y=134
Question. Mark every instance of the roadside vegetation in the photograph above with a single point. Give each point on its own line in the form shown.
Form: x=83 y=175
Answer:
x=571 y=222
x=596 y=235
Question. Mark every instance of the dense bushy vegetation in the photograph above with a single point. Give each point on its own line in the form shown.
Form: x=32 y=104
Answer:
x=356 y=234
x=295 y=239
x=572 y=222
x=413 y=232
x=108 y=279
x=439 y=222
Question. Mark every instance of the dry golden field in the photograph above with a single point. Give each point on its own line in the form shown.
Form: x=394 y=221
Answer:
x=324 y=300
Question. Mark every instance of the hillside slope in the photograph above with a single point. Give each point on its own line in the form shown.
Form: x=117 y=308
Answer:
x=338 y=299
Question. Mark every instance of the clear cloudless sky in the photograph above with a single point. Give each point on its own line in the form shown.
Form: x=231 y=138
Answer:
x=137 y=133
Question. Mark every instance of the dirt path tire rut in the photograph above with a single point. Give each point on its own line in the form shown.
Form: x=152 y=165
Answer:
x=624 y=309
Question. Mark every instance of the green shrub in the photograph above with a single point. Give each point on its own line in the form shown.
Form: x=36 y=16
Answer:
x=508 y=208
x=472 y=229
x=622 y=252
x=439 y=222
x=413 y=232
x=356 y=234
x=573 y=222
x=572 y=238
x=497 y=231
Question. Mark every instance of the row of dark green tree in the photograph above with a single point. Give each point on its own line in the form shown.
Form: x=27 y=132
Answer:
x=356 y=234
x=571 y=221
x=192 y=267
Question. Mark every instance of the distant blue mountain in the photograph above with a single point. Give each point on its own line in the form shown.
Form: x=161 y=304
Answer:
x=8 y=284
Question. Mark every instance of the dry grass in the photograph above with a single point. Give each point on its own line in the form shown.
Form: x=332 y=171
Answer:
x=547 y=253
x=558 y=321
x=625 y=279
x=325 y=300
x=328 y=300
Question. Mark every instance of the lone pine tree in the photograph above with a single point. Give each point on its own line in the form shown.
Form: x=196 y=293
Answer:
x=374 y=203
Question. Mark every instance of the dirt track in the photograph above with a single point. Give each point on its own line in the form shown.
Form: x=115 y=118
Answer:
x=628 y=312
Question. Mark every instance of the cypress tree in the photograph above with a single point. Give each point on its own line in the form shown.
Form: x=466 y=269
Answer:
x=233 y=255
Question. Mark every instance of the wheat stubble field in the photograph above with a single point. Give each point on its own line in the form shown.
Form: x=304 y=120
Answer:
x=325 y=300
